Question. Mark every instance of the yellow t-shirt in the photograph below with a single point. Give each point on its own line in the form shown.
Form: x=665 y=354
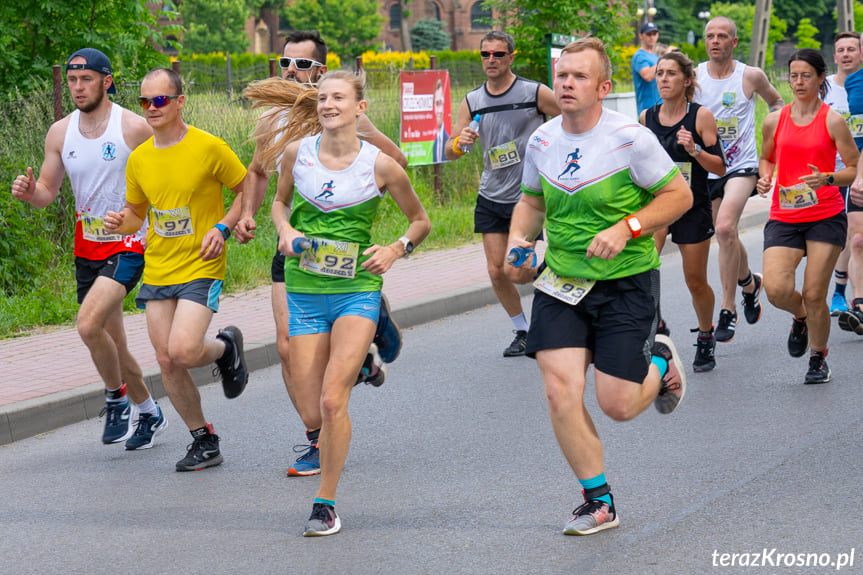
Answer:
x=183 y=185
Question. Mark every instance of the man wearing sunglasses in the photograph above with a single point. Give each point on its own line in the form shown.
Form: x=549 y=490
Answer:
x=510 y=109
x=92 y=145
x=304 y=61
x=177 y=177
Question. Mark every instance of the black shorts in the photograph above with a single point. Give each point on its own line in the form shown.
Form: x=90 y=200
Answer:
x=277 y=268
x=694 y=226
x=849 y=205
x=204 y=291
x=491 y=217
x=124 y=268
x=832 y=230
x=716 y=188
x=616 y=320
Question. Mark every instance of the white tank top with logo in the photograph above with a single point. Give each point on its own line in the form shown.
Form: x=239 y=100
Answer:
x=97 y=171
x=734 y=113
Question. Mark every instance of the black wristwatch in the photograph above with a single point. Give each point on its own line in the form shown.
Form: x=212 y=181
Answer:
x=830 y=179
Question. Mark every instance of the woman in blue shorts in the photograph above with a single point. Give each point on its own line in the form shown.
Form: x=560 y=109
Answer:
x=330 y=187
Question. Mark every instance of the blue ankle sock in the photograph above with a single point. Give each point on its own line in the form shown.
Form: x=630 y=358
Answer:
x=329 y=502
x=595 y=482
x=661 y=363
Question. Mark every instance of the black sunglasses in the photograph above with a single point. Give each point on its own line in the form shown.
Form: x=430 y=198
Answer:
x=497 y=55
x=300 y=63
x=157 y=101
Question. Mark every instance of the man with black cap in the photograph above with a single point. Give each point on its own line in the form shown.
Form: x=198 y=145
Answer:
x=92 y=145
x=644 y=67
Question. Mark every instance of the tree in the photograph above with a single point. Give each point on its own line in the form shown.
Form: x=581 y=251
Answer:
x=404 y=14
x=214 y=26
x=37 y=34
x=806 y=35
x=530 y=21
x=350 y=27
x=430 y=35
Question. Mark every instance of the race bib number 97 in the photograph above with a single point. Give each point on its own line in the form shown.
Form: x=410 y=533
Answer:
x=331 y=258
x=173 y=223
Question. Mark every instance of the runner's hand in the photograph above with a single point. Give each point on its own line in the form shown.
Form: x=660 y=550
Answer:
x=24 y=187
x=763 y=186
x=856 y=192
x=383 y=258
x=244 y=231
x=816 y=179
x=684 y=138
x=212 y=246
x=609 y=242
x=113 y=220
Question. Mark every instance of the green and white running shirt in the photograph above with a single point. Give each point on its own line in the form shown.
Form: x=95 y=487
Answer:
x=590 y=182
x=339 y=206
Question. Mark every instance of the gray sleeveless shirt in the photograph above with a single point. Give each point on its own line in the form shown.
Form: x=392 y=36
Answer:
x=506 y=123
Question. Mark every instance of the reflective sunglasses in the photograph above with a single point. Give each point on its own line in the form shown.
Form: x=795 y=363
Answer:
x=299 y=63
x=157 y=101
x=497 y=55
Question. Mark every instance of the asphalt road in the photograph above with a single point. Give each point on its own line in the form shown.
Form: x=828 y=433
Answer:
x=454 y=469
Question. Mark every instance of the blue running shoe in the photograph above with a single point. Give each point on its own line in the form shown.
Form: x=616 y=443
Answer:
x=309 y=463
x=388 y=336
x=838 y=304
x=118 y=423
x=149 y=426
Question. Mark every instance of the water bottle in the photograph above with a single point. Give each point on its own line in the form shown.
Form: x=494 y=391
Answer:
x=518 y=255
x=300 y=245
x=474 y=125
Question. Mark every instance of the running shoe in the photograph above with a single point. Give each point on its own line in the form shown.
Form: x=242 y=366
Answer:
x=322 y=521
x=818 y=370
x=388 y=336
x=203 y=452
x=663 y=328
x=705 y=348
x=309 y=463
x=518 y=345
x=727 y=324
x=119 y=420
x=851 y=320
x=798 y=339
x=838 y=304
x=233 y=370
x=374 y=371
x=752 y=301
x=149 y=426
x=590 y=517
x=674 y=381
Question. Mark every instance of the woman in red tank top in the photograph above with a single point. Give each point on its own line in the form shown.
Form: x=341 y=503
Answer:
x=807 y=216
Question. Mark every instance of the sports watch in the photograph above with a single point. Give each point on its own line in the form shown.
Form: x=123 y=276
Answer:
x=634 y=225
x=408 y=244
x=697 y=151
x=830 y=179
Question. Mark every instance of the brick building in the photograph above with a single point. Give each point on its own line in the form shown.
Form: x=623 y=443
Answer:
x=463 y=19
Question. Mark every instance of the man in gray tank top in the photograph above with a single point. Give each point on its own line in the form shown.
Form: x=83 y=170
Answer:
x=510 y=109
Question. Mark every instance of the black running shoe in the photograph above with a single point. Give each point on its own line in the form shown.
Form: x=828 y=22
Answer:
x=518 y=345
x=851 y=320
x=818 y=370
x=322 y=521
x=233 y=370
x=798 y=339
x=662 y=328
x=752 y=301
x=705 y=347
x=388 y=336
x=203 y=452
x=727 y=324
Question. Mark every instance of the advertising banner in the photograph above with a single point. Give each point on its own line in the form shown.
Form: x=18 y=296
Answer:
x=426 y=115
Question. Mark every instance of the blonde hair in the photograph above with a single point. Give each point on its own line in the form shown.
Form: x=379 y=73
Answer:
x=293 y=112
x=595 y=44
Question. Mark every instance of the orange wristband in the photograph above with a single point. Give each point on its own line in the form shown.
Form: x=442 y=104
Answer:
x=455 y=149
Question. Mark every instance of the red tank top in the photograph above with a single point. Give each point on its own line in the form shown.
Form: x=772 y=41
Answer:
x=795 y=147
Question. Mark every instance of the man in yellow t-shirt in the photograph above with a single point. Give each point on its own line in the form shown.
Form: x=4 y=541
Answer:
x=178 y=176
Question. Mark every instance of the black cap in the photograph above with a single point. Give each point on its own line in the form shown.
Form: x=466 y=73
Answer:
x=96 y=60
x=649 y=27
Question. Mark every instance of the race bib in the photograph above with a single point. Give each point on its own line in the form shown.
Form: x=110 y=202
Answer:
x=796 y=197
x=727 y=128
x=503 y=155
x=568 y=290
x=855 y=124
x=685 y=170
x=93 y=229
x=331 y=258
x=173 y=223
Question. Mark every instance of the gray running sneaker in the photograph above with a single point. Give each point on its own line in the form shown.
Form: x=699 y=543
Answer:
x=674 y=382
x=203 y=452
x=591 y=517
x=851 y=320
x=322 y=521
x=518 y=345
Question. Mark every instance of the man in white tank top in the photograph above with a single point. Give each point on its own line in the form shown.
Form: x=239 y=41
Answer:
x=92 y=145
x=728 y=89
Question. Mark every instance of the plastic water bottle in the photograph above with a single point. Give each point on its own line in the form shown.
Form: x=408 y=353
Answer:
x=300 y=245
x=474 y=125
x=518 y=255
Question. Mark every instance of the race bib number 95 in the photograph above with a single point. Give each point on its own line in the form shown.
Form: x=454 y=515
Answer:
x=173 y=223
x=727 y=128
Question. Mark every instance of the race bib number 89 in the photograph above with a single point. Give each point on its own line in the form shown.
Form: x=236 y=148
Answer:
x=331 y=258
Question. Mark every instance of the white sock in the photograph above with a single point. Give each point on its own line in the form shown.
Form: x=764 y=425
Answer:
x=148 y=406
x=520 y=322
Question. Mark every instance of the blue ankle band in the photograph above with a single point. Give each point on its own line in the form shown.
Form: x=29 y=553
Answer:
x=329 y=502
